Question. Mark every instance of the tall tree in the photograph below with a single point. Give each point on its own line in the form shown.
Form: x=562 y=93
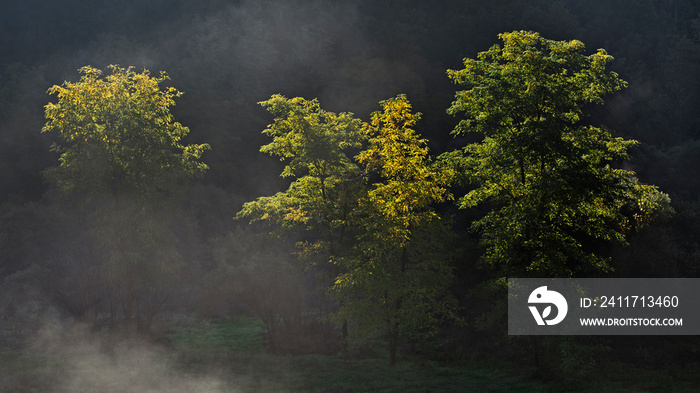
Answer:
x=121 y=157
x=555 y=196
x=399 y=275
x=318 y=146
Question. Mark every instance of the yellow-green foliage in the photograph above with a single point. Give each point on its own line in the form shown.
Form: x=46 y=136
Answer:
x=315 y=144
x=116 y=134
x=554 y=193
x=397 y=277
x=410 y=183
x=370 y=225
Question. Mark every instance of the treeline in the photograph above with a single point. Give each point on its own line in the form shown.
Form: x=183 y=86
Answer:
x=227 y=57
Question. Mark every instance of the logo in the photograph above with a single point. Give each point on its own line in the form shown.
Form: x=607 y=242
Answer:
x=542 y=296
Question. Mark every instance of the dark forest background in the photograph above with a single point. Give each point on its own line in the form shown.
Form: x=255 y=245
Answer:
x=226 y=56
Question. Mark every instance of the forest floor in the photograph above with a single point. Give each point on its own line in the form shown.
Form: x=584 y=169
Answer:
x=230 y=356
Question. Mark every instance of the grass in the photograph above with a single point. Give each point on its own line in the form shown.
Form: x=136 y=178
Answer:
x=624 y=378
x=374 y=375
x=230 y=355
x=242 y=335
x=21 y=372
x=235 y=348
x=246 y=367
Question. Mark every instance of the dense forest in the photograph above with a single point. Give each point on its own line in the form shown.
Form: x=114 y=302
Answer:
x=347 y=179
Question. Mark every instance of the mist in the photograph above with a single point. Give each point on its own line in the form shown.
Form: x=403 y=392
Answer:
x=78 y=360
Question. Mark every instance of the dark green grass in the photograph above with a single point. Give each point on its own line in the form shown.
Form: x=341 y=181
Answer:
x=242 y=335
x=24 y=372
x=232 y=354
x=235 y=348
x=625 y=378
x=375 y=375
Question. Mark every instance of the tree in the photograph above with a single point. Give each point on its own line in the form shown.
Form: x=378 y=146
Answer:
x=380 y=248
x=316 y=144
x=121 y=158
x=399 y=274
x=555 y=196
x=318 y=204
x=117 y=135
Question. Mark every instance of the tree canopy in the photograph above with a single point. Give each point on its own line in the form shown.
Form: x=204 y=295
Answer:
x=117 y=135
x=549 y=176
x=315 y=143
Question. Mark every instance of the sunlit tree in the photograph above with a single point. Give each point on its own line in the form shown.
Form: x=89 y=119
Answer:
x=122 y=157
x=548 y=176
x=362 y=199
x=116 y=134
x=318 y=147
x=398 y=276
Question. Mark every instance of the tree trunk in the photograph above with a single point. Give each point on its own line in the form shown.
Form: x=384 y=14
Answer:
x=393 y=343
x=344 y=342
x=128 y=310
x=112 y=312
x=394 y=331
x=153 y=310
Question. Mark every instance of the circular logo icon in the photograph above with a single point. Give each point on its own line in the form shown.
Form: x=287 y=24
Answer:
x=542 y=296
